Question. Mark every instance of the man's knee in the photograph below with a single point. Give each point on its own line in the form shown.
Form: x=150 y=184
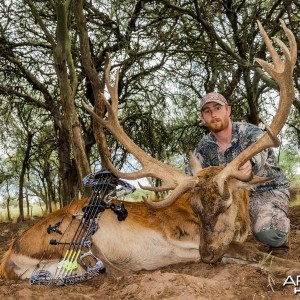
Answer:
x=271 y=237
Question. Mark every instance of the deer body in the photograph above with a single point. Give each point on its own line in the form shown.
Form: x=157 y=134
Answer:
x=149 y=240
x=146 y=240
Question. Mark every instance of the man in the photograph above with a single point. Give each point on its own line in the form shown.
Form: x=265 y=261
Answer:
x=269 y=202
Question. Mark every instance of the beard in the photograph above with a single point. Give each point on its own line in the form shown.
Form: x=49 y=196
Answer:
x=217 y=125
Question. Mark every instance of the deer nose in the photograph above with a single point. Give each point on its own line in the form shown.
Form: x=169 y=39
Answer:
x=211 y=256
x=208 y=257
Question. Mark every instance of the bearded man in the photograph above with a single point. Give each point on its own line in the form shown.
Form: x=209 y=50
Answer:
x=269 y=202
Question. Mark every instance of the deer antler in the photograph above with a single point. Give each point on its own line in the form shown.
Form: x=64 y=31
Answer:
x=172 y=178
x=282 y=73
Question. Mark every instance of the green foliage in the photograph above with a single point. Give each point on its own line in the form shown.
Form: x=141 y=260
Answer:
x=289 y=160
x=13 y=203
x=35 y=210
x=138 y=195
x=169 y=53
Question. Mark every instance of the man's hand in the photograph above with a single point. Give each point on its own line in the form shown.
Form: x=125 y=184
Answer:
x=246 y=168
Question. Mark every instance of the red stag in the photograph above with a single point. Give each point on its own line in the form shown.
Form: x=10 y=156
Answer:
x=204 y=217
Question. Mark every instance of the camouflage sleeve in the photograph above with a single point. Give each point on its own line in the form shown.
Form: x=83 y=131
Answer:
x=259 y=160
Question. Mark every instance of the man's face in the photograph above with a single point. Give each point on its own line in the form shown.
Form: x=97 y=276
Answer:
x=216 y=116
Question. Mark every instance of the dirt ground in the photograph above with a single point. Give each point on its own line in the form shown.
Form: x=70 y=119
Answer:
x=186 y=281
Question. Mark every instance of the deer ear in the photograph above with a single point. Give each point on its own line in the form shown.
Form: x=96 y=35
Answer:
x=195 y=163
x=255 y=181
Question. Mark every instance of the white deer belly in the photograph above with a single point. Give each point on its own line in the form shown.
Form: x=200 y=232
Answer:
x=134 y=247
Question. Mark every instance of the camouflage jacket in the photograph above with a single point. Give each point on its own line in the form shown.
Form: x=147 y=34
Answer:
x=243 y=135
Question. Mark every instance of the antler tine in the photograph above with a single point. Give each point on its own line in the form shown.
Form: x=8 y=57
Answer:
x=276 y=59
x=292 y=42
x=282 y=73
x=178 y=191
x=172 y=178
x=112 y=89
x=107 y=124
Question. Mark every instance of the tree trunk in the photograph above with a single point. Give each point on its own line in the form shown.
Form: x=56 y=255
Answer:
x=49 y=188
x=27 y=205
x=69 y=178
x=8 y=202
x=73 y=159
x=96 y=86
x=27 y=200
x=7 y=208
x=22 y=177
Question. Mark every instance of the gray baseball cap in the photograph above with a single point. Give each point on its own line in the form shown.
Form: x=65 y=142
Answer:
x=213 y=97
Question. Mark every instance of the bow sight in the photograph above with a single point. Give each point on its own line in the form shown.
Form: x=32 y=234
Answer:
x=106 y=187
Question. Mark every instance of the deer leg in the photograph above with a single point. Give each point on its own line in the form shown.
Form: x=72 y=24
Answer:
x=247 y=253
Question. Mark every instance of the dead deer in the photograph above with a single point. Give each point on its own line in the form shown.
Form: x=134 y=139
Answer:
x=205 y=217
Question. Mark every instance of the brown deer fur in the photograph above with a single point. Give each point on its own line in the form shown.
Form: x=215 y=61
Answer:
x=150 y=239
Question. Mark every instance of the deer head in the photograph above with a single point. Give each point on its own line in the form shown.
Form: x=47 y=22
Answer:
x=213 y=188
